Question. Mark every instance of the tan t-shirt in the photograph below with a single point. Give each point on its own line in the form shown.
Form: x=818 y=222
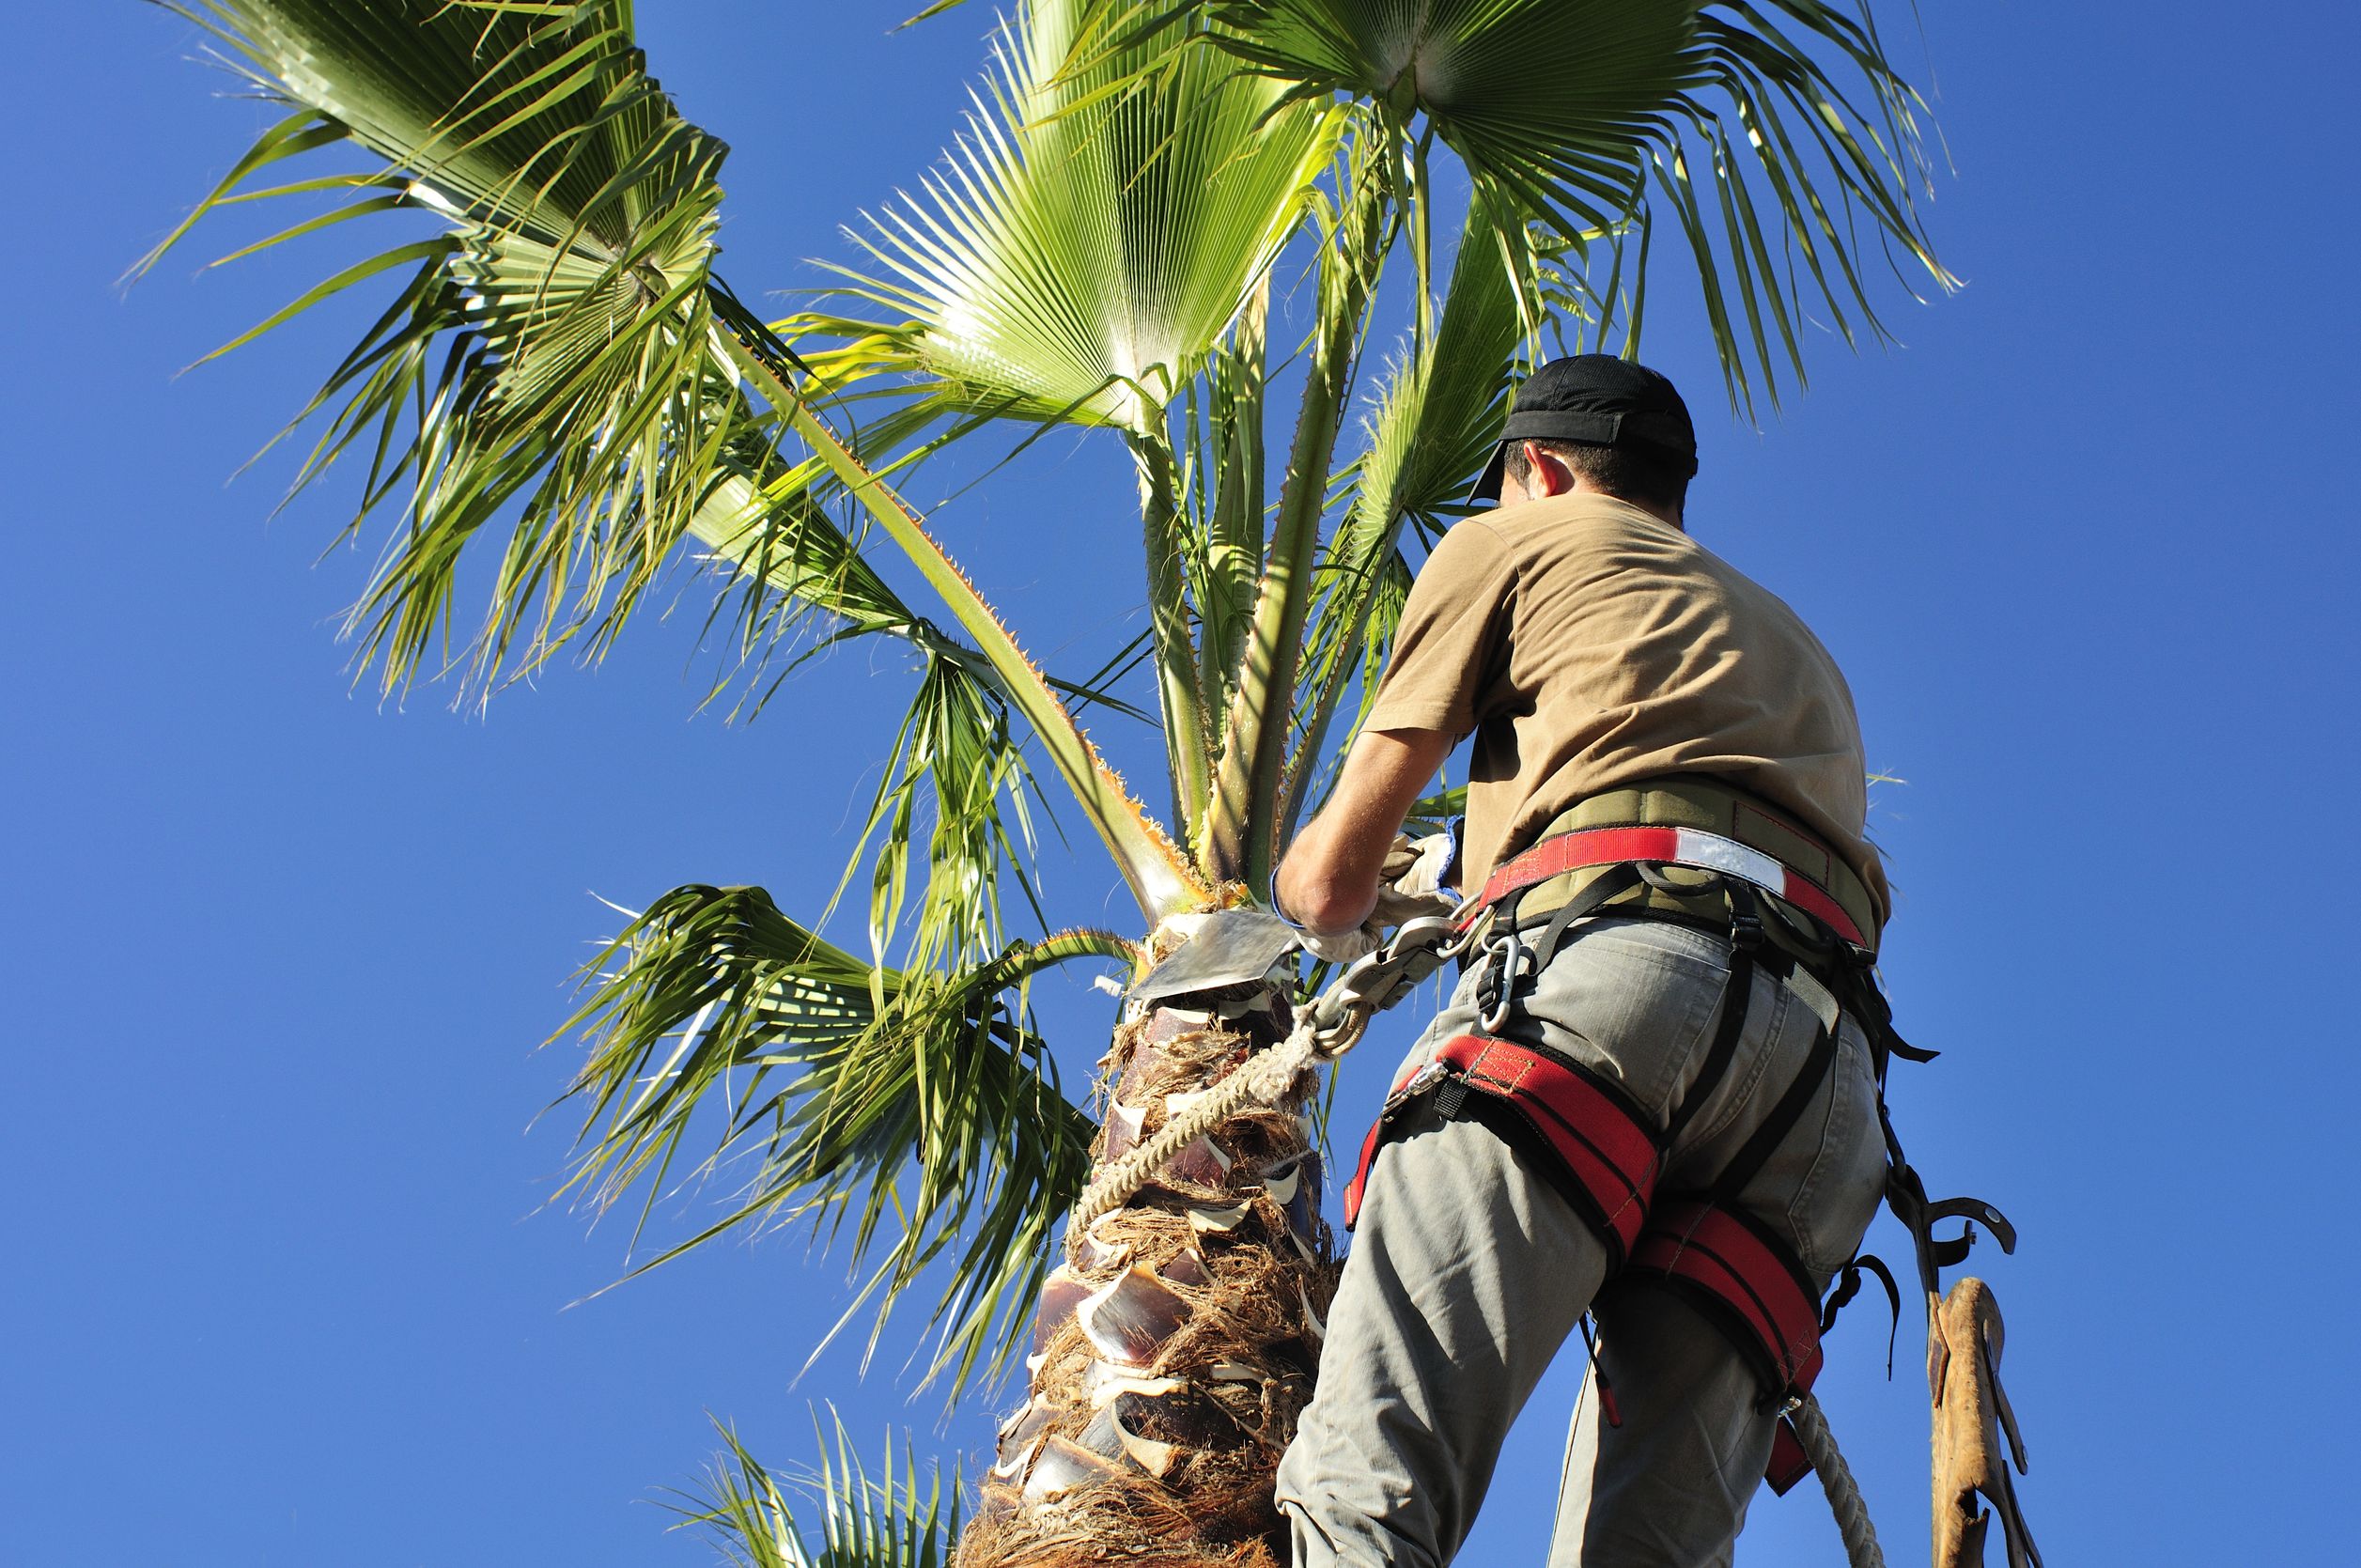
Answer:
x=1588 y=646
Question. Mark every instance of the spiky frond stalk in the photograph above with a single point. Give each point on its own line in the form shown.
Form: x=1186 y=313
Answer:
x=1254 y=747
x=564 y=360
x=1439 y=415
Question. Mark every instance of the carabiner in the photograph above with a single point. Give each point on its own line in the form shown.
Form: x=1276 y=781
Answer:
x=1505 y=963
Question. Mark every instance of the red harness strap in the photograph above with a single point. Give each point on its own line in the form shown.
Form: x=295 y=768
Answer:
x=1746 y=1277
x=1748 y=1282
x=1575 y=851
x=1609 y=1157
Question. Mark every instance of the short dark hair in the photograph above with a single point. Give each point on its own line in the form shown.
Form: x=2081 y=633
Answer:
x=1628 y=472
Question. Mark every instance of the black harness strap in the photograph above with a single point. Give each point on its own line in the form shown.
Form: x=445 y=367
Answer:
x=1849 y=1285
x=1748 y=1161
x=1746 y=935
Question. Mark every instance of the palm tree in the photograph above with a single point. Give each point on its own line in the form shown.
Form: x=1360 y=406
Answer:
x=559 y=383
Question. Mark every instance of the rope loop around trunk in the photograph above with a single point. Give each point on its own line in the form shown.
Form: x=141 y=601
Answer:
x=1261 y=1078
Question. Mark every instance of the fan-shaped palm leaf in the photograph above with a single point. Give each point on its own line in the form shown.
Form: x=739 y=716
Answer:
x=1730 y=113
x=916 y=1106
x=1080 y=258
x=562 y=360
x=1092 y=238
x=548 y=351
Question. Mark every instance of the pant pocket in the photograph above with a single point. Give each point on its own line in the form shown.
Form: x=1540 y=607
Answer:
x=1838 y=1197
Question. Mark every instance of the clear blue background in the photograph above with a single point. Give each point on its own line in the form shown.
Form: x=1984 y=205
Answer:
x=280 y=1286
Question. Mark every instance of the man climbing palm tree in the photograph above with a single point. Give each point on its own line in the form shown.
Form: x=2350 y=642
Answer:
x=1644 y=1100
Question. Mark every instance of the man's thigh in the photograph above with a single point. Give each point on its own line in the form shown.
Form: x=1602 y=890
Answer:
x=1468 y=1273
x=1668 y=1486
x=1471 y=1267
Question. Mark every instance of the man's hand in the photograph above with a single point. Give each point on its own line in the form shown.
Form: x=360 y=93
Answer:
x=1329 y=882
x=1410 y=884
x=1343 y=947
x=1412 y=880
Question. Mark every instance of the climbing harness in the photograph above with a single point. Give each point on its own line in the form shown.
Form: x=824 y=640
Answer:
x=1695 y=852
x=1688 y=850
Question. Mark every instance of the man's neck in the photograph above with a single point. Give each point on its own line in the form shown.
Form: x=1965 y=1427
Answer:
x=1589 y=492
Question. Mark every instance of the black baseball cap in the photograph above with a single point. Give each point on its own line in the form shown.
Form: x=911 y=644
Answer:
x=1599 y=400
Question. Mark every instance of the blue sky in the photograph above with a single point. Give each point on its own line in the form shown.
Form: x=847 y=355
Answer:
x=282 y=1286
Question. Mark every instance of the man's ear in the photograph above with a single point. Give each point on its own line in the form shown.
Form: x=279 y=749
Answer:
x=1547 y=474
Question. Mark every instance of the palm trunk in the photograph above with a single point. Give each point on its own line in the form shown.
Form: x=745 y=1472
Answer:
x=1176 y=1345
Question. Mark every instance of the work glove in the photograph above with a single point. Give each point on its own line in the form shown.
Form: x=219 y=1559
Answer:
x=1343 y=947
x=1410 y=883
x=1413 y=881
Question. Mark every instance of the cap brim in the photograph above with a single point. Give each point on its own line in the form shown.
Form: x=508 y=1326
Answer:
x=1489 y=487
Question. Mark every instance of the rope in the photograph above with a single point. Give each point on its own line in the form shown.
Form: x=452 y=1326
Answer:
x=1836 y=1478
x=1261 y=1078
x=1324 y=1029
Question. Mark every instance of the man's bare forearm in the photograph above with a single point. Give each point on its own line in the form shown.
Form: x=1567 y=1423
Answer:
x=1329 y=880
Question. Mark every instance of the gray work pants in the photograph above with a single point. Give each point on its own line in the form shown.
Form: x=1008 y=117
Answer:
x=1469 y=1269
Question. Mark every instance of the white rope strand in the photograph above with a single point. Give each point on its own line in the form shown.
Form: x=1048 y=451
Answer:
x=1836 y=1478
x=1261 y=1078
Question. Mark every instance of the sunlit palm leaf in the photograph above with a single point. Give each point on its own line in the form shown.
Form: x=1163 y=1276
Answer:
x=900 y=1517
x=561 y=361
x=1730 y=113
x=1078 y=259
x=1158 y=873
x=1084 y=251
x=913 y=1112
x=1356 y=232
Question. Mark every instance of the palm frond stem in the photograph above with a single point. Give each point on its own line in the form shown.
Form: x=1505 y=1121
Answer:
x=1256 y=737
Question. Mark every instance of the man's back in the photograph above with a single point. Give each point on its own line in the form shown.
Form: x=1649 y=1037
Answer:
x=1589 y=645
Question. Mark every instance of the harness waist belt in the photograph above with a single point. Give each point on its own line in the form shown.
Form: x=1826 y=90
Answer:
x=1687 y=847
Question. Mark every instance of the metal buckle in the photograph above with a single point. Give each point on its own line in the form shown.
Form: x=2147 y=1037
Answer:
x=1421 y=1080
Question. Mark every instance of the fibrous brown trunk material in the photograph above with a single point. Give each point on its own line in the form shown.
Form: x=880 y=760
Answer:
x=1175 y=1343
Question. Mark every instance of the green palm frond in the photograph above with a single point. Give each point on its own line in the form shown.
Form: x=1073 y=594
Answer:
x=1092 y=238
x=1084 y=255
x=900 y=1517
x=1586 y=113
x=561 y=362
x=913 y=1113
x=956 y=776
x=1357 y=229
x=545 y=365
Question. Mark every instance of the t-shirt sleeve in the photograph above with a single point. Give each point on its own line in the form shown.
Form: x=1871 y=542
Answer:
x=1452 y=633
